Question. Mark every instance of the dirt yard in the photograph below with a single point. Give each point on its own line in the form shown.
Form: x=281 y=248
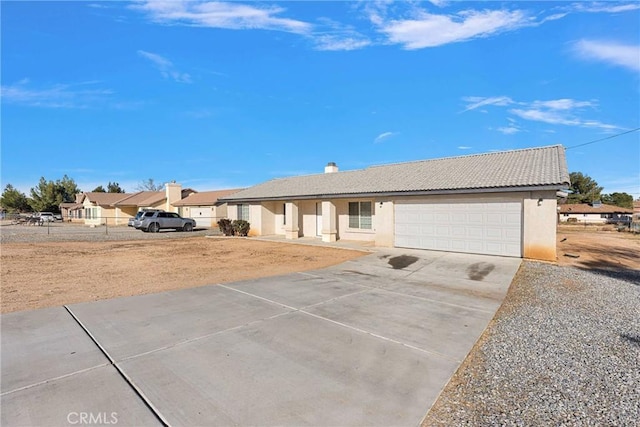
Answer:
x=38 y=275
x=598 y=247
x=46 y=274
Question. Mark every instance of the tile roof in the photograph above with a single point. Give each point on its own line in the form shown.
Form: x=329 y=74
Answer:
x=532 y=167
x=142 y=198
x=205 y=198
x=586 y=208
x=105 y=198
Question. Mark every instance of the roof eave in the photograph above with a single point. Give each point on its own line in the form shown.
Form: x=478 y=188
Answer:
x=547 y=187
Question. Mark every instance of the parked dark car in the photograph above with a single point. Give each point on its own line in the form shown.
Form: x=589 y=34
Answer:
x=135 y=221
x=156 y=221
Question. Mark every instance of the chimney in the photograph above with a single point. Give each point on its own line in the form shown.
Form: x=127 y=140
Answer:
x=331 y=168
x=173 y=193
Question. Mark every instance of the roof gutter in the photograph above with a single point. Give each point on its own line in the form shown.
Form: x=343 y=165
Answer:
x=555 y=187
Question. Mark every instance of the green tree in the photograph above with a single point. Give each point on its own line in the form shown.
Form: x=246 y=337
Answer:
x=68 y=188
x=13 y=200
x=47 y=195
x=114 y=187
x=584 y=189
x=99 y=189
x=623 y=200
x=149 y=185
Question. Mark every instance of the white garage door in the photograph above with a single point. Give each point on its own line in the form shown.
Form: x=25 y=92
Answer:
x=482 y=228
x=202 y=216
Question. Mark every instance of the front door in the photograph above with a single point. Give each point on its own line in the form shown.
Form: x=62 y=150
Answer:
x=319 y=219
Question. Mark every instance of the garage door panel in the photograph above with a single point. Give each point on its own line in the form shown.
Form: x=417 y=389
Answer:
x=486 y=228
x=202 y=216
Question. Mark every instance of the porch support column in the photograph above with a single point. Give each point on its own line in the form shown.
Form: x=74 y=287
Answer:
x=291 y=229
x=329 y=219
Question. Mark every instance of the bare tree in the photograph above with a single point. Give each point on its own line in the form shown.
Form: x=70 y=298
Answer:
x=149 y=185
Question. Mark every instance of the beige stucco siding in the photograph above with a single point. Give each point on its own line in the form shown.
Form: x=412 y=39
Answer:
x=538 y=221
x=539 y=225
x=347 y=233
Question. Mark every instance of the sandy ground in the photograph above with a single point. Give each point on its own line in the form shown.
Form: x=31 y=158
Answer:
x=38 y=275
x=598 y=247
x=46 y=274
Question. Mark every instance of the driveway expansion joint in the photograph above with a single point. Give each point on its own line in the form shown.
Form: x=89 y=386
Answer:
x=133 y=387
x=344 y=325
x=55 y=379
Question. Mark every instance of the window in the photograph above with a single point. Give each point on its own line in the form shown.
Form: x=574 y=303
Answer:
x=243 y=212
x=360 y=215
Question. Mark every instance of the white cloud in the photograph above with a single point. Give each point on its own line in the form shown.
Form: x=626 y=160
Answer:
x=557 y=117
x=165 y=67
x=508 y=130
x=563 y=104
x=215 y=14
x=474 y=102
x=606 y=7
x=561 y=111
x=614 y=53
x=464 y=147
x=332 y=42
x=429 y=30
x=56 y=96
x=383 y=136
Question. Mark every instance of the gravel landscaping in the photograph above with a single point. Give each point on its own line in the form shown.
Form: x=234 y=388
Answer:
x=564 y=349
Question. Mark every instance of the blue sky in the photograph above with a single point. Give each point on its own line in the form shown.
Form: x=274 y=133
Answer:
x=217 y=95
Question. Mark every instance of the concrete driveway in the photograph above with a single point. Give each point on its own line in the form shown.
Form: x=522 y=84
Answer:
x=369 y=342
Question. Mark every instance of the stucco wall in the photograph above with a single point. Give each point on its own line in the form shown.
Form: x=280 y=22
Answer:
x=268 y=218
x=383 y=222
x=539 y=217
x=540 y=211
x=346 y=233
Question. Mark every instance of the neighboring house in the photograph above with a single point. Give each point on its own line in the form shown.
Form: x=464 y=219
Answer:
x=164 y=200
x=72 y=211
x=501 y=203
x=95 y=208
x=98 y=208
x=636 y=209
x=594 y=213
x=202 y=207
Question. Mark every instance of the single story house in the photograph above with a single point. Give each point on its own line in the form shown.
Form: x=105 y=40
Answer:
x=72 y=211
x=594 y=213
x=203 y=207
x=95 y=208
x=499 y=203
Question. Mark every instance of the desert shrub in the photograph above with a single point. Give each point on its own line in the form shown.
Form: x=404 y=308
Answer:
x=573 y=220
x=240 y=227
x=225 y=227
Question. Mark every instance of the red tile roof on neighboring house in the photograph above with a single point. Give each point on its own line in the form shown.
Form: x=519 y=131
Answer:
x=205 y=198
x=636 y=206
x=586 y=208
